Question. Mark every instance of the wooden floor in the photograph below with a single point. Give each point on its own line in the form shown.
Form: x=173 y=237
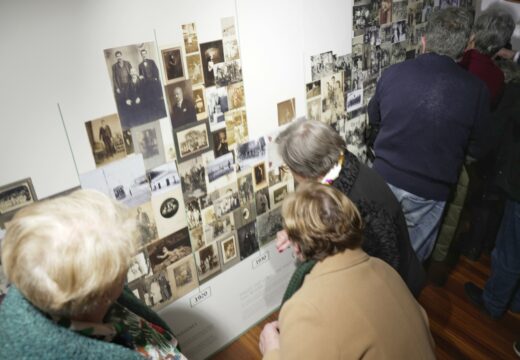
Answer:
x=460 y=330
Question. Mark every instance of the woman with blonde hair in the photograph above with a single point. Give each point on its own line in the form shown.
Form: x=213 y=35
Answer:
x=66 y=260
x=340 y=302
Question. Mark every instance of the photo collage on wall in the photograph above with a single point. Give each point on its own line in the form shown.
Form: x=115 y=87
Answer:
x=178 y=154
x=385 y=32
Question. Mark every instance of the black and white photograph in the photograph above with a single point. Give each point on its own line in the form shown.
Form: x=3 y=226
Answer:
x=106 y=139
x=399 y=31
x=197 y=238
x=194 y=68
x=221 y=166
x=236 y=96
x=163 y=178
x=139 y=267
x=364 y=15
x=245 y=189
x=314 y=109
x=371 y=36
x=220 y=143
x=354 y=100
x=180 y=102
x=354 y=134
x=173 y=67
x=193 y=214
x=193 y=178
x=147 y=140
x=322 y=65
x=231 y=49
x=262 y=201
x=127 y=180
x=146 y=226
x=217 y=101
x=398 y=53
x=193 y=140
x=183 y=276
x=189 y=34
x=169 y=250
x=200 y=102
x=129 y=143
x=16 y=195
x=219 y=228
x=259 y=176
x=278 y=194
x=169 y=211
x=244 y=214
x=136 y=84
x=207 y=261
x=333 y=97
x=226 y=73
x=268 y=225
x=399 y=11
x=236 y=126
x=313 y=89
x=212 y=53
x=228 y=201
x=229 y=249
x=157 y=292
x=251 y=153
x=386 y=33
x=247 y=242
x=286 y=111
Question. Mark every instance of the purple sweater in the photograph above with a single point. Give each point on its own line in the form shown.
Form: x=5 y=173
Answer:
x=431 y=113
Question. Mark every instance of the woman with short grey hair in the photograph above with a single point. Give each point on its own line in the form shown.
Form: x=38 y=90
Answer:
x=314 y=151
x=492 y=31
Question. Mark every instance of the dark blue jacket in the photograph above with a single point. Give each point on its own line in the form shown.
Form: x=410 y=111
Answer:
x=431 y=113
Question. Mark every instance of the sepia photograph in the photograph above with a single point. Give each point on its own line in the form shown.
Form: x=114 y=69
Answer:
x=286 y=111
x=228 y=27
x=228 y=201
x=194 y=68
x=245 y=189
x=127 y=182
x=259 y=176
x=106 y=139
x=262 y=201
x=157 y=292
x=226 y=73
x=207 y=261
x=183 y=276
x=244 y=214
x=278 y=194
x=163 y=178
x=220 y=143
x=146 y=227
x=139 y=267
x=193 y=214
x=385 y=13
x=189 y=34
x=217 y=102
x=322 y=65
x=221 y=166
x=229 y=249
x=180 y=103
x=172 y=60
x=193 y=140
x=193 y=179
x=251 y=153
x=247 y=242
x=212 y=53
x=169 y=211
x=219 y=228
x=313 y=89
x=236 y=126
x=200 y=102
x=136 y=84
x=236 y=96
x=333 y=97
x=16 y=195
x=197 y=238
x=147 y=140
x=169 y=250
x=314 y=109
x=231 y=49
x=268 y=225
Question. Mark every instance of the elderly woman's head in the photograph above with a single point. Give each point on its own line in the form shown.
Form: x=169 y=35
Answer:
x=70 y=254
x=492 y=31
x=310 y=148
x=321 y=221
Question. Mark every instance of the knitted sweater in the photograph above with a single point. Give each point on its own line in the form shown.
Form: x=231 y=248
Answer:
x=26 y=333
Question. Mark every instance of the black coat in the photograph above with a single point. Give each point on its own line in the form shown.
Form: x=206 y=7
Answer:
x=385 y=234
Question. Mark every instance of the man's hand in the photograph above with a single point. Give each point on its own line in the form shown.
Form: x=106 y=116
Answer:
x=270 y=337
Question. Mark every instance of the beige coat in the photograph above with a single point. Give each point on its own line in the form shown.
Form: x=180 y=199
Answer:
x=352 y=306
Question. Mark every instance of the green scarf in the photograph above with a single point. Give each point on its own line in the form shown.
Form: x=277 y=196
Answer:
x=297 y=278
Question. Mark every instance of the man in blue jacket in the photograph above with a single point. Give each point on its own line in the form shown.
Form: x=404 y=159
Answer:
x=431 y=114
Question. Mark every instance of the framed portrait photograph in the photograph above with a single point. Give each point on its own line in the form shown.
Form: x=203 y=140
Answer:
x=180 y=103
x=173 y=66
x=207 y=261
x=229 y=249
x=183 y=276
x=106 y=139
x=211 y=53
x=192 y=140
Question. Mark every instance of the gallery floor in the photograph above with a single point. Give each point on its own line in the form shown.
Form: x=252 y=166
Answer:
x=460 y=330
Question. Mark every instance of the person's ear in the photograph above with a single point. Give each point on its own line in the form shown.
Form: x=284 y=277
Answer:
x=423 y=44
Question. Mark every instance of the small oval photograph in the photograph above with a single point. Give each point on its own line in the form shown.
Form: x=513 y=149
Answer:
x=245 y=213
x=169 y=207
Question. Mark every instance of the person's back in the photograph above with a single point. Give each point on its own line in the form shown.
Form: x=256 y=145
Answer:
x=361 y=308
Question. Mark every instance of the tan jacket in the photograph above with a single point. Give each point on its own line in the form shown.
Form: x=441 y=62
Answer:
x=352 y=306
